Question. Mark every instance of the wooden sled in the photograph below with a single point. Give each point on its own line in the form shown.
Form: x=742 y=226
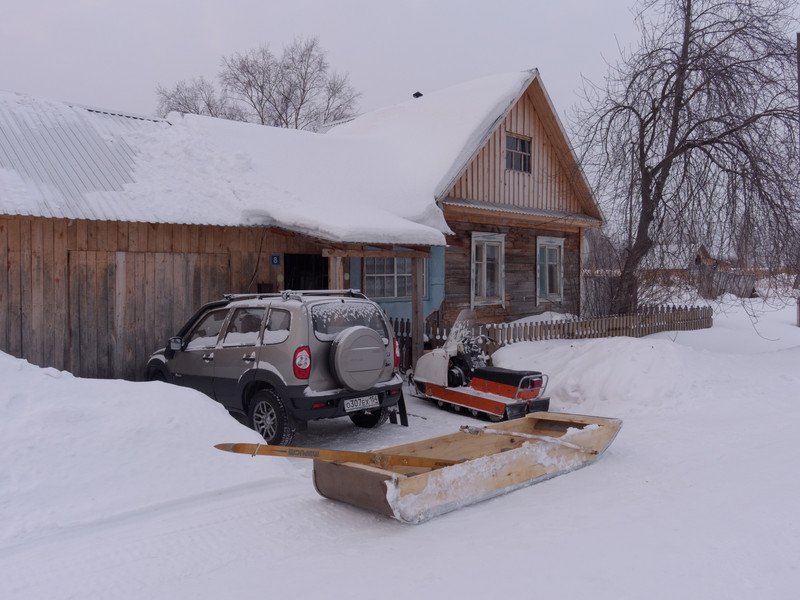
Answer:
x=494 y=460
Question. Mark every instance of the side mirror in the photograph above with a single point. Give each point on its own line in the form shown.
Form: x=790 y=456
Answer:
x=175 y=343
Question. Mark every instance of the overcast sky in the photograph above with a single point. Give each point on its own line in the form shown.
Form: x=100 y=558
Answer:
x=112 y=55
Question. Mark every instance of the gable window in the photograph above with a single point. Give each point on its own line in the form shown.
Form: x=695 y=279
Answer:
x=488 y=264
x=389 y=277
x=518 y=153
x=550 y=267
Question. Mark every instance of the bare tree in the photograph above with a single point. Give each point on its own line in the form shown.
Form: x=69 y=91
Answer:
x=693 y=138
x=198 y=97
x=296 y=91
x=254 y=79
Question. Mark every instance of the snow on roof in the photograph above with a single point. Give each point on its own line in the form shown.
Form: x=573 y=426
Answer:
x=64 y=161
x=373 y=179
x=435 y=134
x=233 y=173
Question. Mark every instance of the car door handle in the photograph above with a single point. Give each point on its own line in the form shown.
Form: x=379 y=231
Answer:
x=249 y=357
x=208 y=357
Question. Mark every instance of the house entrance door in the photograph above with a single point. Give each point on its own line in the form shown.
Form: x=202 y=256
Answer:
x=305 y=272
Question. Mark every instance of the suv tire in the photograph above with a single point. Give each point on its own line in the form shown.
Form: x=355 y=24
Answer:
x=268 y=416
x=356 y=357
x=368 y=420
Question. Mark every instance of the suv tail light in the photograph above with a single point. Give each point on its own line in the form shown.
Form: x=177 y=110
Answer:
x=396 y=354
x=302 y=362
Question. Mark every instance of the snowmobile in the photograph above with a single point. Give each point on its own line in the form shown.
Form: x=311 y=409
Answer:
x=457 y=376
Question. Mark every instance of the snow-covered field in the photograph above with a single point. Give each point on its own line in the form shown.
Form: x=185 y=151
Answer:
x=111 y=489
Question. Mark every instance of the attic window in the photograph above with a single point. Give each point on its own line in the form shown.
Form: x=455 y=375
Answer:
x=518 y=154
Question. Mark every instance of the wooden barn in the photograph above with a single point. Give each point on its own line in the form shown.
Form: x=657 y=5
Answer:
x=115 y=229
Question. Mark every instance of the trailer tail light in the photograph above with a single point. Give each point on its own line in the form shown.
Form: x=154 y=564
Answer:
x=302 y=362
x=396 y=354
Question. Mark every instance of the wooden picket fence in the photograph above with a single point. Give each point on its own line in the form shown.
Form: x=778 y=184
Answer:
x=647 y=321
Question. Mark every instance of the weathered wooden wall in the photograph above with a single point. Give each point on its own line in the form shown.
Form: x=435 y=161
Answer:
x=520 y=273
x=549 y=185
x=97 y=297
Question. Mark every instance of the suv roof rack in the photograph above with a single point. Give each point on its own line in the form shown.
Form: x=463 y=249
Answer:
x=297 y=294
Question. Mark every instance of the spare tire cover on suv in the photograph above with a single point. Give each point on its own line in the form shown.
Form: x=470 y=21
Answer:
x=357 y=357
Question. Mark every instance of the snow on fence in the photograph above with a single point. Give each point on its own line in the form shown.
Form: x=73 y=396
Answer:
x=645 y=322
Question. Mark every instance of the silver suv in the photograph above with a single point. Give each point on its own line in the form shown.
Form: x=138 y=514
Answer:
x=281 y=360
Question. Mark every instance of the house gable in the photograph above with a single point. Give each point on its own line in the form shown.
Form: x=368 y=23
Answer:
x=552 y=188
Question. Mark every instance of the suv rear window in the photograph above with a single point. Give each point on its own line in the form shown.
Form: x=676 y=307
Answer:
x=332 y=317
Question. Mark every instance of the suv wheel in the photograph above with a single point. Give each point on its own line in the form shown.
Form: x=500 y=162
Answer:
x=156 y=375
x=372 y=419
x=267 y=415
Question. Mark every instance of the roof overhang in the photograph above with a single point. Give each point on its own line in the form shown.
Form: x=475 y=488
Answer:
x=517 y=216
x=371 y=251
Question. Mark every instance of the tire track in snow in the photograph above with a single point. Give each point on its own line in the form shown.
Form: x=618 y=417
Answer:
x=183 y=533
x=261 y=528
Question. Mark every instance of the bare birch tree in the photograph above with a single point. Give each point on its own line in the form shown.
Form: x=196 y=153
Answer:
x=693 y=138
x=296 y=90
x=197 y=97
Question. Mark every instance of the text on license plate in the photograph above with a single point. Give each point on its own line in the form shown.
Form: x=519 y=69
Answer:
x=352 y=404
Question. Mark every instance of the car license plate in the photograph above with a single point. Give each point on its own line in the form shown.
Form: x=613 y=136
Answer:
x=353 y=404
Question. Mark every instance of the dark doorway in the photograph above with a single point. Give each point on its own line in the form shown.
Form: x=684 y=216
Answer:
x=305 y=272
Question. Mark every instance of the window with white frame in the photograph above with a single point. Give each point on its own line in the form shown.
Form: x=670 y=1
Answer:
x=550 y=269
x=389 y=277
x=488 y=264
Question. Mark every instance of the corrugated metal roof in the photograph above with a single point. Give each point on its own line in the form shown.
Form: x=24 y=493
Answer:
x=65 y=152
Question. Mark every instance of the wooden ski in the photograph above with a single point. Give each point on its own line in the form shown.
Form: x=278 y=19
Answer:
x=377 y=459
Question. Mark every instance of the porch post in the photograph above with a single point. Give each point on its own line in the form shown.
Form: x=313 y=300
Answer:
x=417 y=316
x=335 y=273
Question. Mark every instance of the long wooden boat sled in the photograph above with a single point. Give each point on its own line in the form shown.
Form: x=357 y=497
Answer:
x=489 y=461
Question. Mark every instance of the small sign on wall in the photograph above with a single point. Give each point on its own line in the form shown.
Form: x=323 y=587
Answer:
x=275 y=260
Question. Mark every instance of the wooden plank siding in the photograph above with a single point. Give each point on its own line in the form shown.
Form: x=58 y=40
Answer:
x=97 y=297
x=548 y=186
x=520 y=273
x=552 y=200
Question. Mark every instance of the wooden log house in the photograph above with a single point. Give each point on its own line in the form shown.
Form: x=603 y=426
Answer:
x=511 y=191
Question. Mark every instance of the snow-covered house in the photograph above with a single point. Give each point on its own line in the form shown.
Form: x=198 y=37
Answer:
x=493 y=156
x=114 y=228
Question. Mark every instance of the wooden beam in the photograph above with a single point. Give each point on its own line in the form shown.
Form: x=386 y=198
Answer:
x=417 y=314
x=508 y=219
x=374 y=253
x=335 y=273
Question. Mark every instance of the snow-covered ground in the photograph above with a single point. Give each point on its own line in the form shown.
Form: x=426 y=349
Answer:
x=111 y=489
